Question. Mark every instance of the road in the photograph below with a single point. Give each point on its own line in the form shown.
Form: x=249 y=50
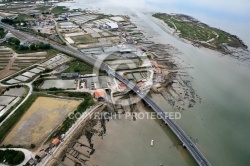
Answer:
x=191 y=147
x=87 y=114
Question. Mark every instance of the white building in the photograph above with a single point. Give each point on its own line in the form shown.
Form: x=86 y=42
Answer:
x=112 y=25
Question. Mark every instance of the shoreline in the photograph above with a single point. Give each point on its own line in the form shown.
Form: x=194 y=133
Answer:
x=199 y=43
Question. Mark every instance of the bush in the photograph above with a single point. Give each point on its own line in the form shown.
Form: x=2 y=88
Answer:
x=12 y=157
x=2 y=33
x=14 y=41
x=32 y=146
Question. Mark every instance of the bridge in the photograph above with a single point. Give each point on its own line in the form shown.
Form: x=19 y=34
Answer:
x=187 y=142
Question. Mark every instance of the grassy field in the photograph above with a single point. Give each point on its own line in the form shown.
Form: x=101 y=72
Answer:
x=41 y=118
x=67 y=123
x=79 y=67
x=83 y=39
x=24 y=17
x=198 y=32
x=59 y=10
x=43 y=8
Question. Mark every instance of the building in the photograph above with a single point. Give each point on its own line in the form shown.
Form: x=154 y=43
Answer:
x=40 y=155
x=55 y=142
x=70 y=75
x=112 y=25
x=122 y=86
x=100 y=94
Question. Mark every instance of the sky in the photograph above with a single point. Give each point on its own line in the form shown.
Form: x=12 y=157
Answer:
x=233 y=8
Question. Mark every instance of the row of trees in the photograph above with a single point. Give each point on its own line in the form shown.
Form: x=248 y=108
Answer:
x=2 y=32
x=33 y=46
x=13 y=21
x=40 y=46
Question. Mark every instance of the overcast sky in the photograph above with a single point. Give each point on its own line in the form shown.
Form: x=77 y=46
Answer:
x=229 y=8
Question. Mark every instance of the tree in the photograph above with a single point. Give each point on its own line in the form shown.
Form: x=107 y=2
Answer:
x=14 y=41
x=2 y=33
x=47 y=46
x=32 y=146
x=12 y=157
x=21 y=47
x=19 y=157
x=33 y=47
x=40 y=45
x=76 y=69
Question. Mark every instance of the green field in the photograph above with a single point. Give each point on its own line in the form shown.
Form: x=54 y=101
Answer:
x=83 y=39
x=79 y=67
x=24 y=17
x=59 y=10
x=199 y=33
x=43 y=8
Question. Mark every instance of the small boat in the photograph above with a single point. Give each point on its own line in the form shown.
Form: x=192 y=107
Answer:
x=152 y=142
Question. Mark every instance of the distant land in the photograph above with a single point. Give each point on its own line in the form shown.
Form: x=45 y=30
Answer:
x=200 y=34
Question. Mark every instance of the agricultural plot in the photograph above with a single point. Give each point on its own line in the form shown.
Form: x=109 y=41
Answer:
x=12 y=81
x=124 y=64
x=103 y=21
x=62 y=84
x=96 y=50
x=44 y=115
x=117 y=18
x=81 y=19
x=89 y=30
x=74 y=34
x=35 y=70
x=5 y=100
x=9 y=98
x=55 y=61
x=26 y=75
x=69 y=40
x=138 y=76
x=84 y=39
x=21 y=78
x=11 y=62
x=61 y=69
x=67 y=25
x=95 y=35
x=106 y=34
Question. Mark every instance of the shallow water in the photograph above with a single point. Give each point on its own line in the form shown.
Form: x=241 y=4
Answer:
x=221 y=122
